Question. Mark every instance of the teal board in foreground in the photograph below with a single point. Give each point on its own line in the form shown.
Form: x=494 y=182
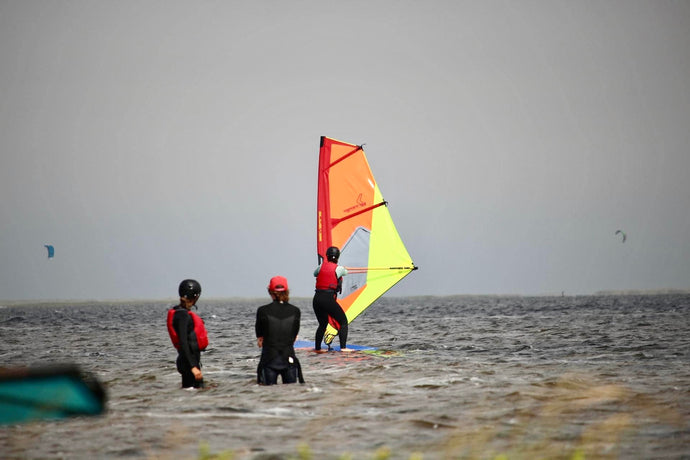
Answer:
x=48 y=393
x=309 y=344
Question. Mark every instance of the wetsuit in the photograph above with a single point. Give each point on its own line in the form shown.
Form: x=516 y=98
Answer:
x=188 y=354
x=328 y=280
x=278 y=324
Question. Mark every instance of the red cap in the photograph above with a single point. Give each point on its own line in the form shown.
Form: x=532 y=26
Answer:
x=278 y=284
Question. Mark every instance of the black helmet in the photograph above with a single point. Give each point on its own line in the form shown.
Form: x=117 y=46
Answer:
x=333 y=254
x=189 y=289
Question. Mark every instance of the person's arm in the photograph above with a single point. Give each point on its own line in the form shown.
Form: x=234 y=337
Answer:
x=295 y=323
x=340 y=271
x=181 y=324
x=318 y=269
x=259 y=329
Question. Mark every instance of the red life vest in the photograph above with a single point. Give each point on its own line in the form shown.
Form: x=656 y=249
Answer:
x=199 y=330
x=326 y=279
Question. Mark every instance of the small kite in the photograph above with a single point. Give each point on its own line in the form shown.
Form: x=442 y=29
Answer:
x=625 y=237
x=51 y=250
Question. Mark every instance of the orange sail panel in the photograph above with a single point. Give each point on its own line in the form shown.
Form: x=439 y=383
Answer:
x=352 y=215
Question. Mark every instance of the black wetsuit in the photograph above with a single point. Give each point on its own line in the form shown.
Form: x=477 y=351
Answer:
x=278 y=324
x=325 y=304
x=188 y=354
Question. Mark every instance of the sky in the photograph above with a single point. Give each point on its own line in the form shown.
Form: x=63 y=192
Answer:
x=152 y=141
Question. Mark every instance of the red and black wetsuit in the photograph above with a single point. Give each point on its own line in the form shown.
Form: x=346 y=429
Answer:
x=278 y=324
x=325 y=303
x=188 y=353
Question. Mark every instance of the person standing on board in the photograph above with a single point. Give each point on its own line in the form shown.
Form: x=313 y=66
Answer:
x=188 y=334
x=277 y=325
x=329 y=279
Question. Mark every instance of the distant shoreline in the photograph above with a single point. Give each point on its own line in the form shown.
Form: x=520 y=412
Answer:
x=644 y=292
x=622 y=292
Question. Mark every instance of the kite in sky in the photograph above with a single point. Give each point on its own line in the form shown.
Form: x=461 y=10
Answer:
x=625 y=237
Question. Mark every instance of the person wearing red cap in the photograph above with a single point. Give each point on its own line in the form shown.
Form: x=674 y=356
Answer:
x=277 y=326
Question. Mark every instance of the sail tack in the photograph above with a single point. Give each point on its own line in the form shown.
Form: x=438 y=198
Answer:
x=352 y=215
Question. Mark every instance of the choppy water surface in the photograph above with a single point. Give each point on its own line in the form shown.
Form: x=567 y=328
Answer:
x=467 y=377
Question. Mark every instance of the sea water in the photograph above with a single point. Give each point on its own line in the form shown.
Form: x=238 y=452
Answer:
x=456 y=377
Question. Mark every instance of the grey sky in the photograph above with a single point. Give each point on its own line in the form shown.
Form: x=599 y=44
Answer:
x=154 y=141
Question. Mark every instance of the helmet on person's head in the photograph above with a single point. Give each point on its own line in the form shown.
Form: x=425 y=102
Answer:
x=189 y=289
x=333 y=254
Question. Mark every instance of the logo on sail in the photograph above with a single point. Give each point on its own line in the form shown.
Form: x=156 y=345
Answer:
x=360 y=204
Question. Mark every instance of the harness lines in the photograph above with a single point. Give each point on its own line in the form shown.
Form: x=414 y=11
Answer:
x=199 y=330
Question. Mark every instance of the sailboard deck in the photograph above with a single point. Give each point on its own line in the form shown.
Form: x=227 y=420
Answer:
x=353 y=216
x=309 y=345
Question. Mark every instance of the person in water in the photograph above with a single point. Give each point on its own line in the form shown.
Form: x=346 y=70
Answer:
x=277 y=326
x=329 y=279
x=188 y=334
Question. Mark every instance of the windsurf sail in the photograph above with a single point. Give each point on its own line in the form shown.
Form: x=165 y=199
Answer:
x=352 y=215
x=48 y=392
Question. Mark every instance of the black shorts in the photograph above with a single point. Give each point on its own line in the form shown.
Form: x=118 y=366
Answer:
x=290 y=372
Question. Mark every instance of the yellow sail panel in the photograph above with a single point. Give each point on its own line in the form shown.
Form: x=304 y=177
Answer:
x=353 y=216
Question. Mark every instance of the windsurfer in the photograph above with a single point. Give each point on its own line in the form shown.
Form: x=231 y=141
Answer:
x=181 y=327
x=277 y=325
x=329 y=279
